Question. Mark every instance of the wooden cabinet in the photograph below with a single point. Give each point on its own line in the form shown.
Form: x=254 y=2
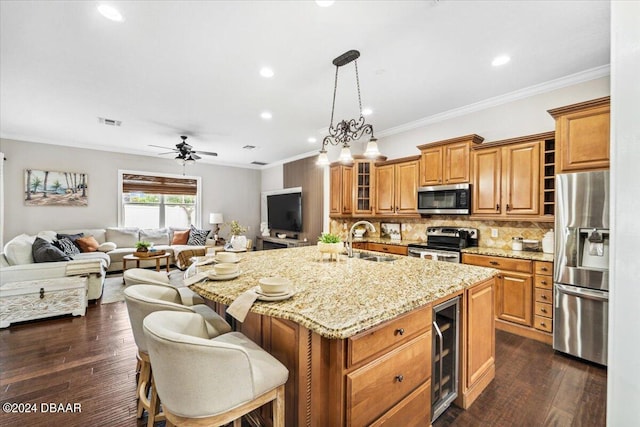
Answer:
x=397 y=187
x=508 y=177
x=478 y=342
x=543 y=305
x=446 y=162
x=388 y=248
x=582 y=135
x=521 y=292
x=341 y=189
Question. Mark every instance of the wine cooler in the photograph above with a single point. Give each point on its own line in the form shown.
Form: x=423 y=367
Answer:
x=444 y=351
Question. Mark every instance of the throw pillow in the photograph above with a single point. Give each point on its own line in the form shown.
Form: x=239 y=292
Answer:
x=87 y=244
x=159 y=236
x=44 y=251
x=66 y=246
x=180 y=237
x=18 y=250
x=107 y=247
x=72 y=237
x=197 y=237
x=123 y=237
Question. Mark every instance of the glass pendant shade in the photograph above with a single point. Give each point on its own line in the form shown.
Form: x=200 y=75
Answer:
x=179 y=160
x=372 y=148
x=345 y=155
x=323 y=159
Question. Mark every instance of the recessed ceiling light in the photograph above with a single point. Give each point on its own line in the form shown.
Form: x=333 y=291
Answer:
x=311 y=140
x=500 y=60
x=325 y=3
x=110 y=12
x=367 y=111
x=266 y=72
x=266 y=115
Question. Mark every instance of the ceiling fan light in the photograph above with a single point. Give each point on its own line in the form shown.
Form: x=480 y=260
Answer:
x=179 y=160
x=323 y=159
x=189 y=161
x=372 y=148
x=345 y=155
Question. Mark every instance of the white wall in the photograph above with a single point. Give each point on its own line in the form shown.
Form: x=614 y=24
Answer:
x=233 y=191
x=272 y=178
x=517 y=118
x=623 y=381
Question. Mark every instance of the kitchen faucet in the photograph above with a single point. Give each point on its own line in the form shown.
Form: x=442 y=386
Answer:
x=367 y=224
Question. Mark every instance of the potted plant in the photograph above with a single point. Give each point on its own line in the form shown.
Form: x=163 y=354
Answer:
x=238 y=239
x=330 y=243
x=143 y=246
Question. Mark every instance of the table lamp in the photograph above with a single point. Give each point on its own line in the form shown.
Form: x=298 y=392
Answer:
x=216 y=219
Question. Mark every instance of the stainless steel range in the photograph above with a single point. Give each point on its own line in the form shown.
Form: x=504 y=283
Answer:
x=445 y=243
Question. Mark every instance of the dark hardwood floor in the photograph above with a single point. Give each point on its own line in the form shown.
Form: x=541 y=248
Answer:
x=91 y=361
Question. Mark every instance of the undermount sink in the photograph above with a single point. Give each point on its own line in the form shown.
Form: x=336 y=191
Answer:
x=373 y=257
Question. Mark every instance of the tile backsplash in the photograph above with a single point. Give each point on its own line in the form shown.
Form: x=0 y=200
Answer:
x=415 y=229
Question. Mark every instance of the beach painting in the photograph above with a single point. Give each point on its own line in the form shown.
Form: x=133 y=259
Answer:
x=50 y=188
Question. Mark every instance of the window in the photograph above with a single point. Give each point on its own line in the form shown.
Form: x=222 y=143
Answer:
x=156 y=201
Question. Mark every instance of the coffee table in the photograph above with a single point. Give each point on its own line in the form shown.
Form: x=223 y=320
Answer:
x=137 y=259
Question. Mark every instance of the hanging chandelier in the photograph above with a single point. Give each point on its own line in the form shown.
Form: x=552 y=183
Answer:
x=346 y=131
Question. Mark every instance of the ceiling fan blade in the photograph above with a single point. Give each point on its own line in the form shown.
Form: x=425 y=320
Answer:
x=206 y=153
x=167 y=152
x=194 y=156
x=164 y=148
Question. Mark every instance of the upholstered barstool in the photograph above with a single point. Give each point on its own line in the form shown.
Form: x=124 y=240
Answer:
x=142 y=276
x=206 y=381
x=142 y=300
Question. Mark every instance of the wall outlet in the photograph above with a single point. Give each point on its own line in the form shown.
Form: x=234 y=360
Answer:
x=494 y=232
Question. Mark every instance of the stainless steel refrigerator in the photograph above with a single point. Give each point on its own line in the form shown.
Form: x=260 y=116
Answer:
x=581 y=265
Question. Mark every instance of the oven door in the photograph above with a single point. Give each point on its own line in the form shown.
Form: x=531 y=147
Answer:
x=435 y=255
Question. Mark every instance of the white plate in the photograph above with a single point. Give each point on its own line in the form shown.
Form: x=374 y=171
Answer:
x=205 y=262
x=259 y=291
x=263 y=297
x=232 y=262
x=213 y=276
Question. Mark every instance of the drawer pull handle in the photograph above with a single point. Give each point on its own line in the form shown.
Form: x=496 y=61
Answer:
x=41 y=293
x=544 y=282
x=543 y=296
x=543 y=324
x=497 y=207
x=544 y=310
x=544 y=269
x=399 y=331
x=494 y=263
x=399 y=378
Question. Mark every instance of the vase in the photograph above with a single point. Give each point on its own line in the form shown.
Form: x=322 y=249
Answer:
x=239 y=243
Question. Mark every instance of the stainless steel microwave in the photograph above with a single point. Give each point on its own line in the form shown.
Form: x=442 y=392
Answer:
x=452 y=199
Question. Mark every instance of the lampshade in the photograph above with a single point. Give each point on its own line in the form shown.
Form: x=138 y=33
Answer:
x=345 y=155
x=323 y=159
x=216 y=218
x=372 y=148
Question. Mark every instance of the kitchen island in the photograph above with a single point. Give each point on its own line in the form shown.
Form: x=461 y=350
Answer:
x=356 y=336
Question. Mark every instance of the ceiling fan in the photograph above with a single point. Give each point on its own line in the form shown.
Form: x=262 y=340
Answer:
x=185 y=152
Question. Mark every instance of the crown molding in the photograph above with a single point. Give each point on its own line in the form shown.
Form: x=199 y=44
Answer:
x=570 y=80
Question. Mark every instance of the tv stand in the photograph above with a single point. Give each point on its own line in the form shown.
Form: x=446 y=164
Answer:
x=264 y=243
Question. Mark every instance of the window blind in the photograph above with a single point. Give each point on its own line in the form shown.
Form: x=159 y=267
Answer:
x=134 y=183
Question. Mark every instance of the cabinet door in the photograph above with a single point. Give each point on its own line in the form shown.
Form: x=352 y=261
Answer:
x=583 y=140
x=487 y=181
x=514 y=298
x=385 y=199
x=456 y=163
x=335 y=194
x=347 y=189
x=363 y=187
x=431 y=166
x=480 y=342
x=406 y=190
x=521 y=172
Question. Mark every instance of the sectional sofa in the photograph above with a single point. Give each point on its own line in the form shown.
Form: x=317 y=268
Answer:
x=18 y=265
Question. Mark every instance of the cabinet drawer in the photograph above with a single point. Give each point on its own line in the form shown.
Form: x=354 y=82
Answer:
x=544 y=295
x=518 y=265
x=543 y=309
x=387 y=335
x=543 y=267
x=414 y=411
x=359 y=245
x=543 y=282
x=390 y=249
x=378 y=386
x=542 y=323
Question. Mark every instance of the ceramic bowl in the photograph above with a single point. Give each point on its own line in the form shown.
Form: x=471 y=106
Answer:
x=226 y=257
x=225 y=268
x=274 y=285
x=359 y=232
x=281 y=236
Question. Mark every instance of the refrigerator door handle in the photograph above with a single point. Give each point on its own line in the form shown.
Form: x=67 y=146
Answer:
x=583 y=293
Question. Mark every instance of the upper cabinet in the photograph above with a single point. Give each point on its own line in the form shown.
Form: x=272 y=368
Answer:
x=397 y=186
x=446 y=162
x=509 y=178
x=341 y=183
x=582 y=135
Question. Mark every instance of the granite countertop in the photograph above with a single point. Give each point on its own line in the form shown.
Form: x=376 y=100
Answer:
x=530 y=255
x=340 y=299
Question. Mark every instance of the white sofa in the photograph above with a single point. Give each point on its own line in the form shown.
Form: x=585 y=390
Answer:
x=17 y=264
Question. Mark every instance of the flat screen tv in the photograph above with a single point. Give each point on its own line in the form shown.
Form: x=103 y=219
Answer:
x=284 y=211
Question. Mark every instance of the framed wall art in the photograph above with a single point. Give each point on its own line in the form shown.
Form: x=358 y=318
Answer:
x=389 y=230
x=51 y=188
